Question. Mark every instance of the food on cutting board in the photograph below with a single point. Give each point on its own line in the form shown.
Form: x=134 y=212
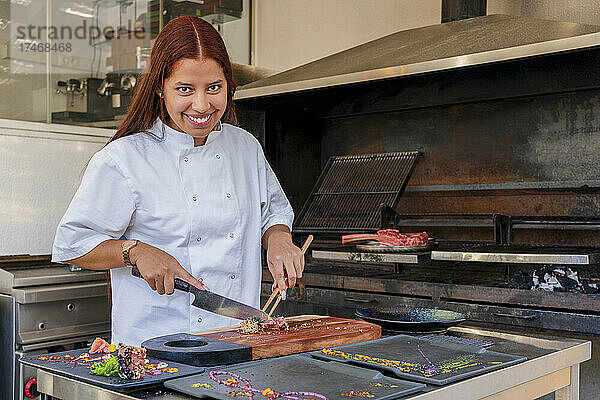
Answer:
x=276 y=324
x=389 y=237
x=132 y=361
x=252 y=326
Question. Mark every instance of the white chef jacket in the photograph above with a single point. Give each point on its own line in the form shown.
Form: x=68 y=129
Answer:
x=207 y=206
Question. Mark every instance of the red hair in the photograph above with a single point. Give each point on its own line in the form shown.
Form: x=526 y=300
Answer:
x=183 y=37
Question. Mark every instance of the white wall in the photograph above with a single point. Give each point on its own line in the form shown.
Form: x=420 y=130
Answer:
x=580 y=11
x=288 y=33
x=41 y=166
x=236 y=35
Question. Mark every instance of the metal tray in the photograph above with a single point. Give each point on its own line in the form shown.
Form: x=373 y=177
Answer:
x=421 y=360
x=297 y=373
x=82 y=372
x=376 y=247
x=403 y=319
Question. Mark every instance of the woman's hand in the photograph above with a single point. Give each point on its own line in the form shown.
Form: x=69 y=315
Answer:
x=285 y=260
x=160 y=269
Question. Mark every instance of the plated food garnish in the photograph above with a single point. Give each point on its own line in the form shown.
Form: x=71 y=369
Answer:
x=109 y=367
x=131 y=361
x=100 y=345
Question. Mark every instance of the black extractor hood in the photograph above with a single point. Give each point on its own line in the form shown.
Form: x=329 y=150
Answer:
x=456 y=44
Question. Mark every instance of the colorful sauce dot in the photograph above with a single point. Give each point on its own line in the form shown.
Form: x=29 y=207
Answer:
x=362 y=393
x=202 y=385
x=234 y=393
x=379 y=384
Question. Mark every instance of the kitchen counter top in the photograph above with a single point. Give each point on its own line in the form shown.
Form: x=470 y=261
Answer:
x=552 y=366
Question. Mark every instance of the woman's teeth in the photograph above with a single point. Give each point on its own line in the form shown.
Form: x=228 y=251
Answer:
x=199 y=120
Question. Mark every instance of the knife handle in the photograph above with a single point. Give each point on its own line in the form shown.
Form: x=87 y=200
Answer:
x=182 y=285
x=179 y=283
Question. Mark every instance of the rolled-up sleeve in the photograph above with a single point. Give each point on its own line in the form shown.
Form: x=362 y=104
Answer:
x=275 y=207
x=101 y=209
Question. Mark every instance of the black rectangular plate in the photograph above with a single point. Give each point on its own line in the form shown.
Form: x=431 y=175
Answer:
x=297 y=373
x=82 y=372
x=422 y=360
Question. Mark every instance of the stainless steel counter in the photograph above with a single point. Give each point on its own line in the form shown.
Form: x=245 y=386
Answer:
x=552 y=366
x=45 y=306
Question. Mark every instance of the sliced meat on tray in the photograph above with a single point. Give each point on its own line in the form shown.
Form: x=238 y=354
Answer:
x=389 y=237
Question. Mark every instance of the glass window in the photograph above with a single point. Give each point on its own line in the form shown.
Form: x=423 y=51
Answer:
x=23 y=72
x=78 y=61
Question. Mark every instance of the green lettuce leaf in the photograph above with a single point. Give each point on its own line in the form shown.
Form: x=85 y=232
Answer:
x=108 y=367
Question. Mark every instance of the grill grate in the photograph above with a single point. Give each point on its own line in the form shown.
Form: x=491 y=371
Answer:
x=351 y=189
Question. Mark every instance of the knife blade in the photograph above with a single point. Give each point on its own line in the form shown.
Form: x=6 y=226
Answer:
x=214 y=302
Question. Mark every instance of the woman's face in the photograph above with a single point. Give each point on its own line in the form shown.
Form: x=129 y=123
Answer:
x=195 y=96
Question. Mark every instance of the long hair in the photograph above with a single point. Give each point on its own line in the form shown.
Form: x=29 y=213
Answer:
x=183 y=37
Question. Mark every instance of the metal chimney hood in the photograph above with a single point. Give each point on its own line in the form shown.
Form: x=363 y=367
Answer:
x=467 y=42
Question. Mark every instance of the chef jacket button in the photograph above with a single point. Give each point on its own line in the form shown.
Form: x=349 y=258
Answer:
x=231 y=235
x=194 y=198
x=199 y=320
x=198 y=239
x=218 y=157
x=232 y=276
x=186 y=159
x=228 y=195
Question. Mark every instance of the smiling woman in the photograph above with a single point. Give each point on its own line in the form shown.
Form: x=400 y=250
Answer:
x=195 y=96
x=180 y=192
x=189 y=57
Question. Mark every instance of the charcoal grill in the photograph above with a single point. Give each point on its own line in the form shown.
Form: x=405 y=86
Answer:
x=468 y=272
x=468 y=276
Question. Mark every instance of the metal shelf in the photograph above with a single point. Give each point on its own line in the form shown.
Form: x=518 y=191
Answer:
x=520 y=255
x=392 y=258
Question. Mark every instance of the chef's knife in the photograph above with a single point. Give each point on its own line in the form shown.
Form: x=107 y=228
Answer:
x=215 y=303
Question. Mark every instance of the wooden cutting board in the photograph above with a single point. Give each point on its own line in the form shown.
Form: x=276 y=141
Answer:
x=305 y=333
